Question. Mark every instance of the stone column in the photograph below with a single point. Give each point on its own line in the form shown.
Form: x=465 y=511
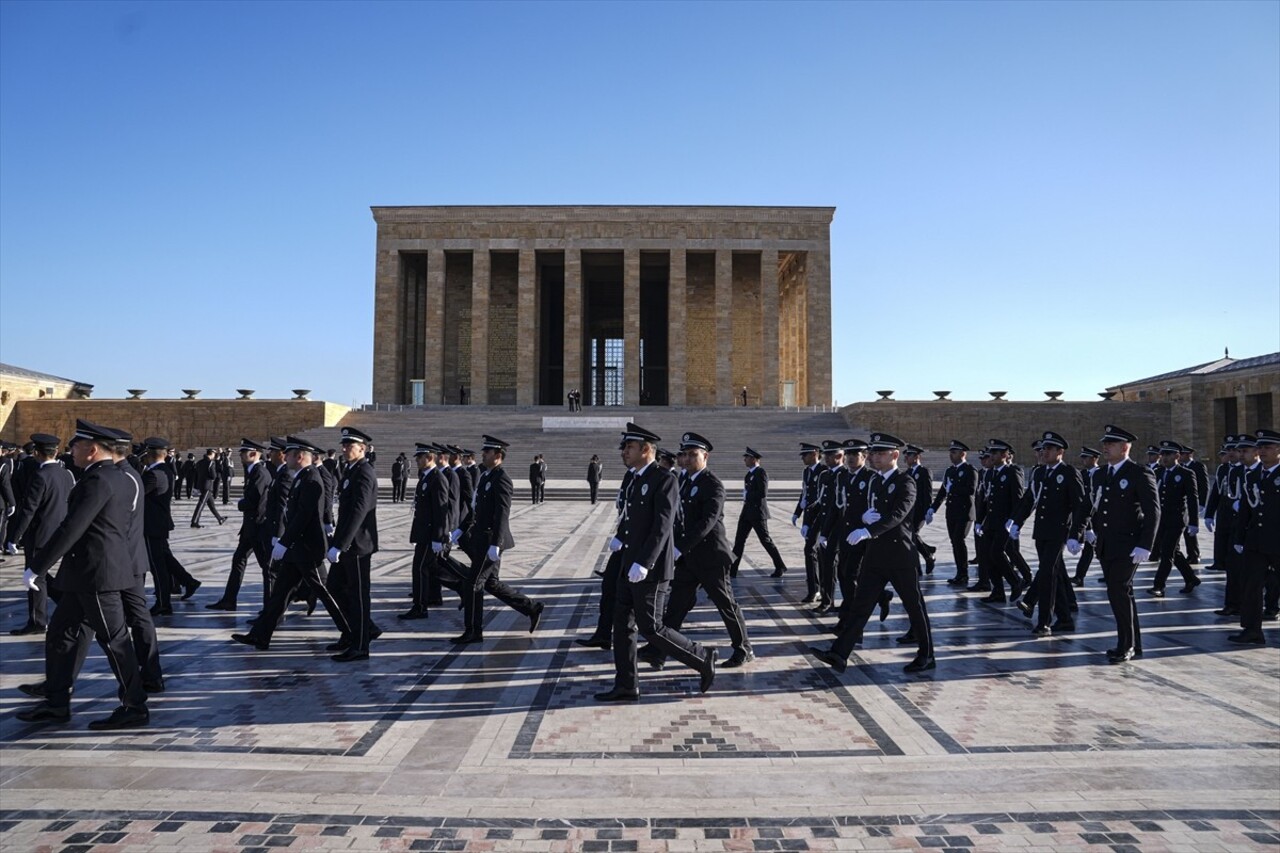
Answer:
x=677 y=290
x=818 y=331
x=433 y=334
x=526 y=332
x=478 y=393
x=769 y=344
x=724 y=327
x=572 y=321
x=631 y=327
x=390 y=385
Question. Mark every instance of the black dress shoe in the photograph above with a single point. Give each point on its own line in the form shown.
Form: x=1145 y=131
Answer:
x=1119 y=655
x=191 y=590
x=777 y=573
x=906 y=639
x=653 y=658
x=994 y=599
x=29 y=628
x=35 y=689
x=921 y=665
x=435 y=602
x=884 y=605
x=709 y=661
x=45 y=713
x=1042 y=630
x=809 y=599
x=250 y=640
x=123 y=717
x=738 y=658
x=1271 y=615
x=963 y=580
x=1191 y=587
x=221 y=605
x=1061 y=627
x=928 y=566
x=1244 y=639
x=1227 y=611
x=1026 y=608
x=464 y=639
x=374 y=633
x=1016 y=592
x=222 y=521
x=594 y=642
x=1157 y=591
x=412 y=613
x=350 y=655
x=830 y=658
x=617 y=695
x=979 y=587
x=153 y=686
x=1077 y=581
x=342 y=645
x=311 y=605
x=538 y=607
x=822 y=608
x=161 y=611
x=197 y=526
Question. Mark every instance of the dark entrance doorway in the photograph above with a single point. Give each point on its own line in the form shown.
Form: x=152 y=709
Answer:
x=602 y=351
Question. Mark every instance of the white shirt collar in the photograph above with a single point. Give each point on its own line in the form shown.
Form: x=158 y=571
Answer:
x=641 y=470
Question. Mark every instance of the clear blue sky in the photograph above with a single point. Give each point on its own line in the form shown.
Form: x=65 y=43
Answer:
x=1029 y=196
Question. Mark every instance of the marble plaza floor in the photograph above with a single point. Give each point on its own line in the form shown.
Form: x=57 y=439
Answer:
x=1013 y=742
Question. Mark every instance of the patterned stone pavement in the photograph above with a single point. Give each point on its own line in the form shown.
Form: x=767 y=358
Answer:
x=1013 y=742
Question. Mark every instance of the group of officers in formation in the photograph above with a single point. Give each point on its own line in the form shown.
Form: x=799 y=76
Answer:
x=102 y=515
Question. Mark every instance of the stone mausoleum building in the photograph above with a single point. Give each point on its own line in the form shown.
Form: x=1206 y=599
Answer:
x=630 y=305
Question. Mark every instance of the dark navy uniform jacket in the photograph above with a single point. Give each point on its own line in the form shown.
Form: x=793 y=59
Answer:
x=1257 y=525
x=431 y=508
x=1128 y=511
x=43 y=506
x=493 y=511
x=755 y=500
x=94 y=537
x=304 y=517
x=157 y=518
x=648 y=522
x=1059 y=502
x=357 y=528
x=959 y=484
x=892 y=543
x=699 y=532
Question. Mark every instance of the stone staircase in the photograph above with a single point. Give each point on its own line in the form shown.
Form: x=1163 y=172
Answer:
x=772 y=432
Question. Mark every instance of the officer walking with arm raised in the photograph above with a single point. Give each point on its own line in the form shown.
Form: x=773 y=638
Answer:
x=648 y=560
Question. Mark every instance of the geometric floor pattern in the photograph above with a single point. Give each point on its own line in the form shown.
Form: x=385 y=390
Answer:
x=1013 y=743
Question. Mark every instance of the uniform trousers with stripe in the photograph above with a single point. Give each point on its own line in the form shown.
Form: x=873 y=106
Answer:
x=872 y=580
x=356 y=600
x=294 y=572
x=103 y=613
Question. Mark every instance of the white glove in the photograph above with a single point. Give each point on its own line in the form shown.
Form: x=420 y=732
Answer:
x=637 y=573
x=615 y=544
x=1193 y=530
x=1139 y=555
x=1090 y=537
x=277 y=552
x=977 y=528
x=10 y=548
x=437 y=547
x=494 y=553
x=1202 y=513
x=328 y=530
x=858 y=535
x=1073 y=546
x=1239 y=548
x=275 y=540
x=1012 y=529
x=455 y=535
x=871 y=516
x=676 y=550
x=928 y=516
x=29 y=580
x=1208 y=524
x=822 y=541
x=1235 y=506
x=804 y=531
x=794 y=519
x=333 y=555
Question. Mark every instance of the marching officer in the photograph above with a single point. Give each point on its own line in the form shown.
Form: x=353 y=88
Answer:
x=646 y=551
x=1256 y=537
x=702 y=551
x=889 y=560
x=206 y=475
x=299 y=551
x=40 y=511
x=1176 y=488
x=253 y=506
x=602 y=638
x=959 y=484
x=1003 y=492
x=755 y=515
x=428 y=532
x=1058 y=501
x=489 y=537
x=1091 y=479
x=354 y=542
x=853 y=504
x=1220 y=513
x=1187 y=459
x=99 y=565
x=805 y=511
x=825 y=511
x=1124 y=530
x=924 y=498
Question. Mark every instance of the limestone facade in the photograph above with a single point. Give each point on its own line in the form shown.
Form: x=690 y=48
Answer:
x=631 y=305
